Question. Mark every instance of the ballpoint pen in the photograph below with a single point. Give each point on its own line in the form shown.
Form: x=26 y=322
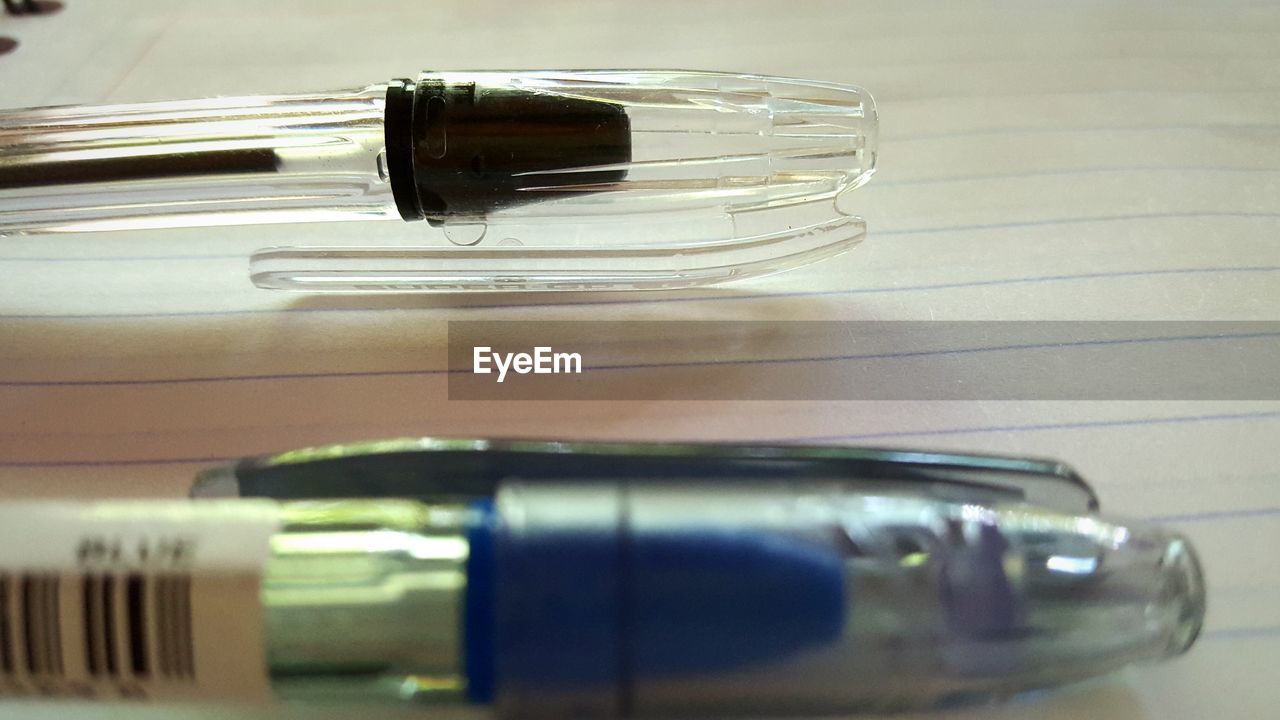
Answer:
x=533 y=579
x=529 y=180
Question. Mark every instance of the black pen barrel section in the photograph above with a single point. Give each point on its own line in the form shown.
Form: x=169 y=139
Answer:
x=465 y=149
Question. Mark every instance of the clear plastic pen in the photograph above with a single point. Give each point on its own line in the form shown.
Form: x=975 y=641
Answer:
x=527 y=180
x=555 y=579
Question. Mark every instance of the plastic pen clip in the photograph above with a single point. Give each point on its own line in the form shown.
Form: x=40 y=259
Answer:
x=527 y=180
x=607 y=580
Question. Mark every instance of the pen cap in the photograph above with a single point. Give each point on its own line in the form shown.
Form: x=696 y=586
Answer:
x=604 y=179
x=632 y=599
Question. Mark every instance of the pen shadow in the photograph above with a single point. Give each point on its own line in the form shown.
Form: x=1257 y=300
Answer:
x=645 y=346
x=321 y=369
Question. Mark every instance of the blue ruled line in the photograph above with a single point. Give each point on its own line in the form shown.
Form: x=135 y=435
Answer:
x=853 y=357
x=644 y=299
x=972 y=429
x=891 y=232
x=1039 y=427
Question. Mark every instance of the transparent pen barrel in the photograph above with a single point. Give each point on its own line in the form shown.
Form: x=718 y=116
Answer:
x=786 y=599
x=697 y=599
x=220 y=161
x=594 y=180
x=983 y=602
x=944 y=602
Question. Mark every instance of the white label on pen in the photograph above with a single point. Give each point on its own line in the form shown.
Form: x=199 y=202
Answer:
x=133 y=600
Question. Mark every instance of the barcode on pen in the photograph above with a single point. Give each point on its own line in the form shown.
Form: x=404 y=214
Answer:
x=79 y=634
x=151 y=600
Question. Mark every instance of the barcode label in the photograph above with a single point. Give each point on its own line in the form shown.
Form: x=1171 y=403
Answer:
x=126 y=605
x=123 y=629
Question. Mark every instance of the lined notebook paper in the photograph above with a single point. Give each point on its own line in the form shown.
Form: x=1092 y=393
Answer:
x=1038 y=161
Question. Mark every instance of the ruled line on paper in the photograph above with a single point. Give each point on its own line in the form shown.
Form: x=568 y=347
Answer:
x=643 y=300
x=1041 y=427
x=1262 y=415
x=1240 y=633
x=1222 y=337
